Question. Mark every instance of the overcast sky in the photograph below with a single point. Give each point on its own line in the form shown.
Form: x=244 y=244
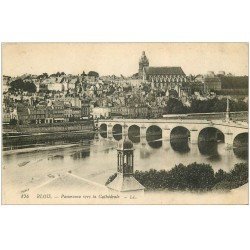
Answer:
x=122 y=58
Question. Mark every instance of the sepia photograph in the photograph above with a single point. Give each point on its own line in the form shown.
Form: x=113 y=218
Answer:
x=125 y=123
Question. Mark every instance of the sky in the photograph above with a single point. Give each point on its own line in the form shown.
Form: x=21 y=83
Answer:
x=122 y=58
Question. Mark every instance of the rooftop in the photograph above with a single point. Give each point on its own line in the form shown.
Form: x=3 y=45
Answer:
x=125 y=184
x=164 y=71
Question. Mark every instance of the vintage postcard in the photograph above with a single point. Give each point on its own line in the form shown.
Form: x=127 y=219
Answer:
x=124 y=123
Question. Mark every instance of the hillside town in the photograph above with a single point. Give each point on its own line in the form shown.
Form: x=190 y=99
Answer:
x=61 y=97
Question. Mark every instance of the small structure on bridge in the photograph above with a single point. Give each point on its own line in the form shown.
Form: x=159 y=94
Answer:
x=228 y=111
x=125 y=180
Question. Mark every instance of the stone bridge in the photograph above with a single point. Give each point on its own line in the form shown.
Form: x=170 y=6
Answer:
x=194 y=128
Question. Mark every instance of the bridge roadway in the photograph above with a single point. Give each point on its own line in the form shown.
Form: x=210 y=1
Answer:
x=229 y=128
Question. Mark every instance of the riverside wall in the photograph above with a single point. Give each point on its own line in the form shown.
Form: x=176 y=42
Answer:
x=50 y=127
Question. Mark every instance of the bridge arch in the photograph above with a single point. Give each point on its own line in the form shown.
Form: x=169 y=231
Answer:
x=241 y=140
x=208 y=139
x=211 y=134
x=179 y=138
x=134 y=133
x=117 y=132
x=154 y=136
x=240 y=145
x=103 y=130
x=179 y=132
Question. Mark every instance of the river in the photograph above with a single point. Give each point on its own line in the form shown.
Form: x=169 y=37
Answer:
x=95 y=159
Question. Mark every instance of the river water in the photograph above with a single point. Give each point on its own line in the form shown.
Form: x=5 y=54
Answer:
x=96 y=158
x=76 y=165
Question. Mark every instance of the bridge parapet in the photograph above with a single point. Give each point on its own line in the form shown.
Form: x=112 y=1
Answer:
x=230 y=128
x=162 y=122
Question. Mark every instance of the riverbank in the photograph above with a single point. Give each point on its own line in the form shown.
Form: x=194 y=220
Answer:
x=49 y=127
x=21 y=141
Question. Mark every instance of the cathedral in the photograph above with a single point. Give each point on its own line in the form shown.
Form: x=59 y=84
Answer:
x=167 y=78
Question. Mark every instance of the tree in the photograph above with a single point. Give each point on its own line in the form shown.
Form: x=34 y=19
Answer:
x=194 y=177
x=175 y=106
x=93 y=73
x=234 y=82
x=200 y=176
x=216 y=105
x=237 y=177
x=43 y=75
x=239 y=173
x=221 y=175
x=19 y=84
x=58 y=74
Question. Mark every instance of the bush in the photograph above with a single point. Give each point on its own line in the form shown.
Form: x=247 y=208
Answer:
x=239 y=174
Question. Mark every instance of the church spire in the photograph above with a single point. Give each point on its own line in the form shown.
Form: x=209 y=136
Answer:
x=143 y=62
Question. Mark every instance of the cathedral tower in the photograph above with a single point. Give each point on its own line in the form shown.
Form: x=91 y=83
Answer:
x=143 y=62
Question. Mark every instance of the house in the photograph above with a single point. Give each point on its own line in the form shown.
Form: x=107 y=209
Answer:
x=101 y=112
x=212 y=82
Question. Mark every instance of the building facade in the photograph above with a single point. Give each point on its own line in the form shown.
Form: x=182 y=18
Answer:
x=164 y=77
x=212 y=82
x=100 y=112
x=130 y=111
x=85 y=109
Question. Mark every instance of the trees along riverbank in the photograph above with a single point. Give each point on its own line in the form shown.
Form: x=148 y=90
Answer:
x=175 y=106
x=193 y=177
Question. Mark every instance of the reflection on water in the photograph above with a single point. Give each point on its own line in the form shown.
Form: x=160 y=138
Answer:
x=144 y=152
x=134 y=138
x=155 y=144
x=180 y=145
x=134 y=133
x=81 y=154
x=117 y=132
x=208 y=147
x=117 y=136
x=154 y=136
x=241 y=152
x=55 y=157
